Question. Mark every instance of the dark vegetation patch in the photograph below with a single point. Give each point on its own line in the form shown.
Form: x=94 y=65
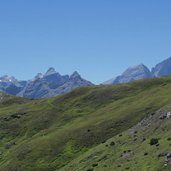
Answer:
x=154 y=141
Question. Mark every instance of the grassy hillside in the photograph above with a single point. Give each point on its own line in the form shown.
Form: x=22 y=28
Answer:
x=132 y=149
x=88 y=129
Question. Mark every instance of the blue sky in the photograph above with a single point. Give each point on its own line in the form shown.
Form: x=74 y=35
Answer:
x=98 y=38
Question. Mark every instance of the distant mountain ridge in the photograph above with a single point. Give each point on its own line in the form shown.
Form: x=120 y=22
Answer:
x=141 y=71
x=163 y=68
x=11 y=85
x=133 y=73
x=43 y=85
x=53 y=83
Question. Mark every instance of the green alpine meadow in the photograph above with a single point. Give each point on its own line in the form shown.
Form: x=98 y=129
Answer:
x=85 y=85
x=96 y=128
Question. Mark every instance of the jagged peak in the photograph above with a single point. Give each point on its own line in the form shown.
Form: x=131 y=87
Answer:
x=75 y=75
x=50 y=71
x=7 y=78
x=162 y=68
x=168 y=60
x=138 y=66
x=38 y=76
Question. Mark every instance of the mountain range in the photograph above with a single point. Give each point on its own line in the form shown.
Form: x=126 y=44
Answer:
x=53 y=83
x=43 y=85
x=141 y=71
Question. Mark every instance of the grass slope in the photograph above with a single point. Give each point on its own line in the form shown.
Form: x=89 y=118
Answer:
x=75 y=131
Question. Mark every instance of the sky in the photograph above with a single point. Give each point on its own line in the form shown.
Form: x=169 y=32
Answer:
x=97 y=38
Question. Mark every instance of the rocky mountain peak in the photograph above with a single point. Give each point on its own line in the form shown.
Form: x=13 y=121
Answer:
x=136 y=72
x=43 y=85
x=50 y=71
x=38 y=76
x=75 y=75
x=137 y=69
x=7 y=78
x=163 y=68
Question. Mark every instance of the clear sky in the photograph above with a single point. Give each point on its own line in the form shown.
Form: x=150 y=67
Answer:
x=98 y=38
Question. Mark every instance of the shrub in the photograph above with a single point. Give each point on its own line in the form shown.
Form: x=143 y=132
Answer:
x=154 y=141
x=90 y=169
x=112 y=143
x=95 y=165
x=143 y=139
x=169 y=139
